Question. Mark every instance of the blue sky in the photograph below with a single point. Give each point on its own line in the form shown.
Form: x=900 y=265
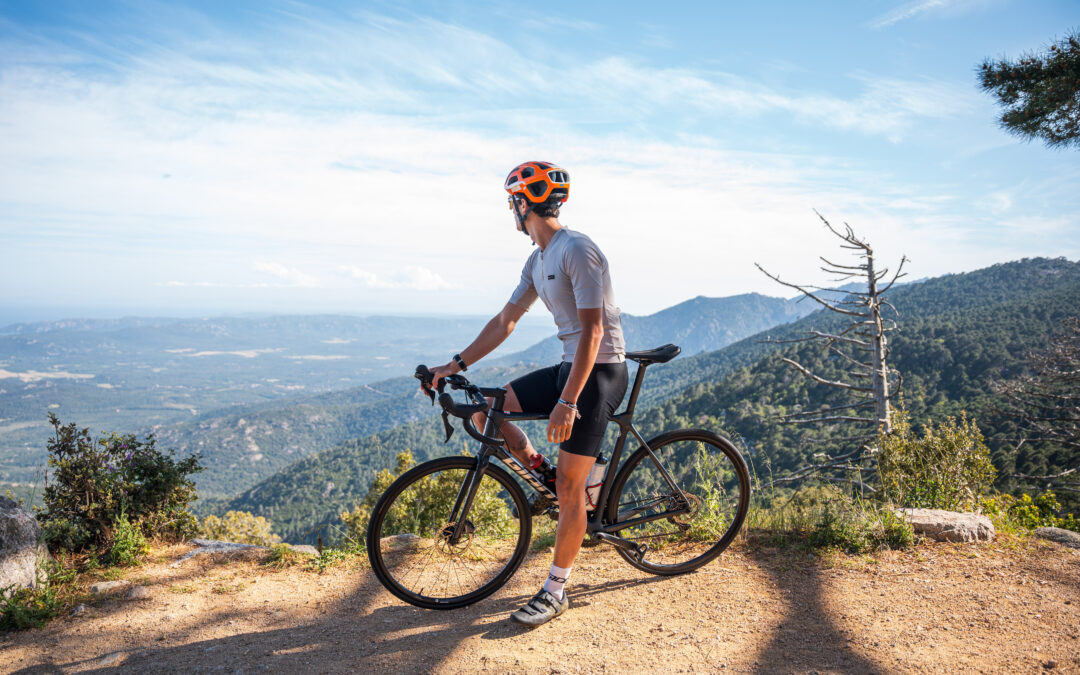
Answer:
x=290 y=157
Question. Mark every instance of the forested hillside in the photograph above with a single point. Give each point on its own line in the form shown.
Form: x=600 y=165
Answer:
x=957 y=334
x=243 y=445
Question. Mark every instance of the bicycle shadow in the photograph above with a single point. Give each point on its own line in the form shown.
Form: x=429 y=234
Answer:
x=807 y=638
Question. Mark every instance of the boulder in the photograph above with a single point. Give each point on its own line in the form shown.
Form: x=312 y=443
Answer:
x=943 y=525
x=306 y=549
x=1060 y=535
x=21 y=550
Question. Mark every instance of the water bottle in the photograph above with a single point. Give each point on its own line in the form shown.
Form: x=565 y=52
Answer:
x=594 y=483
x=545 y=469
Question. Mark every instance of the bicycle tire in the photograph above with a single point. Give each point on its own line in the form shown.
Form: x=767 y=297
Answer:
x=403 y=531
x=692 y=535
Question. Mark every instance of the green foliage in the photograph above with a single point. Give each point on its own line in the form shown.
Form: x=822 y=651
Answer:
x=328 y=558
x=1012 y=514
x=238 y=526
x=282 y=556
x=129 y=545
x=424 y=505
x=94 y=484
x=825 y=517
x=948 y=467
x=1040 y=92
x=24 y=608
x=356 y=521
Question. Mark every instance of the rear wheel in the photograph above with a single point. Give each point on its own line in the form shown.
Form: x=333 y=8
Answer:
x=715 y=485
x=409 y=538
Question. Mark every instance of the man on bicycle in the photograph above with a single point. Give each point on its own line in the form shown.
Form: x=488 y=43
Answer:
x=570 y=274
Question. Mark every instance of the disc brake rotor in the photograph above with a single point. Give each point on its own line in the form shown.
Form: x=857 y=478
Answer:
x=465 y=539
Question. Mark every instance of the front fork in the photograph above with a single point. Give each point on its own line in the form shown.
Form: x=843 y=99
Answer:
x=466 y=495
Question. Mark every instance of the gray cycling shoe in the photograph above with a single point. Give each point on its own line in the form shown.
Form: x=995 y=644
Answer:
x=543 y=607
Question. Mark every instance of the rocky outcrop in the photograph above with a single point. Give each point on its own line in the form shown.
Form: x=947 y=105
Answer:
x=1060 y=535
x=943 y=525
x=21 y=551
x=211 y=546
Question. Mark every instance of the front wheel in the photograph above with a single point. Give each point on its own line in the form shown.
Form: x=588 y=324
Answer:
x=715 y=486
x=410 y=536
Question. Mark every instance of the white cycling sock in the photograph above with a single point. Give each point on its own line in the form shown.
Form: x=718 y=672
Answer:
x=556 y=580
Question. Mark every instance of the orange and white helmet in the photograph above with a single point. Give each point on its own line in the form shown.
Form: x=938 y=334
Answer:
x=538 y=182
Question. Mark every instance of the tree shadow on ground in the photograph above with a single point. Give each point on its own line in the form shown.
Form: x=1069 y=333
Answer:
x=807 y=639
x=360 y=632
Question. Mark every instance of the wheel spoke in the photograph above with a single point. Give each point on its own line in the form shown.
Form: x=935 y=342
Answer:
x=409 y=537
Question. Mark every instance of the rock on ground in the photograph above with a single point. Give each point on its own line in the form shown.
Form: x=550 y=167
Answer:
x=21 y=550
x=942 y=525
x=208 y=546
x=103 y=587
x=1060 y=535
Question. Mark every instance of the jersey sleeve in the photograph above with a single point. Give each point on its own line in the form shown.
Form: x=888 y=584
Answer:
x=585 y=267
x=525 y=294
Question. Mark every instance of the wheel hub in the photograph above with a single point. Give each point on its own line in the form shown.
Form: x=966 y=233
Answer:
x=465 y=539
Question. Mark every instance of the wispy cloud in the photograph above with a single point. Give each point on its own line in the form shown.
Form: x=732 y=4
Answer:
x=910 y=10
x=409 y=277
x=289 y=276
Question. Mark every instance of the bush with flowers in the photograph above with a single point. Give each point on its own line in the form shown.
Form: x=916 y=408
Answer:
x=92 y=487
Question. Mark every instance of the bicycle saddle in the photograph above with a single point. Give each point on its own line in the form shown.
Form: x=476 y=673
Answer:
x=658 y=355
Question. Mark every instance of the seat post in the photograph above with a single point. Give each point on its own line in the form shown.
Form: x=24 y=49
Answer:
x=638 y=379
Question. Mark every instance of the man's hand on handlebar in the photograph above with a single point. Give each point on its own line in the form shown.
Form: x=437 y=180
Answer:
x=442 y=371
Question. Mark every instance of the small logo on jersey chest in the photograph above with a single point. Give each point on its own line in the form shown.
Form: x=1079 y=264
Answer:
x=550 y=277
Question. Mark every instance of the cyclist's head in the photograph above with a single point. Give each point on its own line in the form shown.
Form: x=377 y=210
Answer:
x=541 y=186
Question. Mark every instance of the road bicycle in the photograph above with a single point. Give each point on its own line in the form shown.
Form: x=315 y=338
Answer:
x=453 y=530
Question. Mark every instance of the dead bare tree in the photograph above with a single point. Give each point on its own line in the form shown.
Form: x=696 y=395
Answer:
x=862 y=346
x=1046 y=403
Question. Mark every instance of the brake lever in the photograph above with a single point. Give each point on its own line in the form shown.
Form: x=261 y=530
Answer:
x=447 y=426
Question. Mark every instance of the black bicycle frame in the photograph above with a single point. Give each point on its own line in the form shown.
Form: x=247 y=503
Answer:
x=596 y=525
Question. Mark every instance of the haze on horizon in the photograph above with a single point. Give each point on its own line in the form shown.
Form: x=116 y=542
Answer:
x=193 y=159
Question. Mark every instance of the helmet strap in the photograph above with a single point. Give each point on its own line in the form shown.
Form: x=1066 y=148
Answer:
x=522 y=217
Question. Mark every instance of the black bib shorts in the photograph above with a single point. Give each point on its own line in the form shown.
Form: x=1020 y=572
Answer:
x=539 y=392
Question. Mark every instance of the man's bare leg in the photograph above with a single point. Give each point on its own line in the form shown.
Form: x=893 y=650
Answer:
x=570 y=487
x=517 y=441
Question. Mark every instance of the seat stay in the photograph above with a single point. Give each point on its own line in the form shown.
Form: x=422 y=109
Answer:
x=659 y=465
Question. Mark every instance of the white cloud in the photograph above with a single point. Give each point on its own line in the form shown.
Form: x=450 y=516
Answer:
x=289 y=275
x=409 y=277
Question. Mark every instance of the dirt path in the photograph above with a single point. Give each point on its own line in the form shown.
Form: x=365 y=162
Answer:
x=1011 y=607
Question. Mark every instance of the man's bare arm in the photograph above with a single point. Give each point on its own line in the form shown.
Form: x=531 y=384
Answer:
x=493 y=334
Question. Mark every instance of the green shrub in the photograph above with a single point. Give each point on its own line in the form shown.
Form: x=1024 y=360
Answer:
x=24 y=608
x=1011 y=513
x=424 y=505
x=356 y=521
x=241 y=527
x=129 y=545
x=93 y=483
x=282 y=556
x=826 y=517
x=948 y=467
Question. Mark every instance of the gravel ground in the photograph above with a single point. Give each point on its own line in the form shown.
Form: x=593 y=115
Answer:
x=1011 y=606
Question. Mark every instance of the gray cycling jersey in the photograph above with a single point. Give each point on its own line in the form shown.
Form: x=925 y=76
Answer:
x=572 y=274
